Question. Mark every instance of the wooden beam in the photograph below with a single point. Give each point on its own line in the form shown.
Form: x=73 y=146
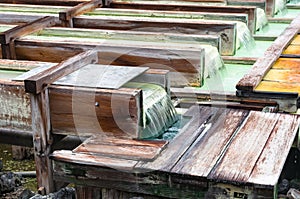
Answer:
x=46 y=2
x=67 y=15
x=249 y=10
x=251 y=80
x=36 y=83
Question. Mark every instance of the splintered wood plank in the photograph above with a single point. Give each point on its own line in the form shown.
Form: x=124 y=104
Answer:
x=181 y=143
x=287 y=63
x=22 y=65
x=200 y=159
x=288 y=76
x=122 y=148
x=242 y=154
x=270 y=86
x=296 y=40
x=270 y=163
x=92 y=160
x=263 y=64
x=101 y=76
x=292 y=50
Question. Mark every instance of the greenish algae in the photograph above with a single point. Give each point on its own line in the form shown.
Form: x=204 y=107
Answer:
x=225 y=79
x=9 y=74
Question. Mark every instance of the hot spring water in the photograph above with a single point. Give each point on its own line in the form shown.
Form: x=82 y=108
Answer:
x=158 y=110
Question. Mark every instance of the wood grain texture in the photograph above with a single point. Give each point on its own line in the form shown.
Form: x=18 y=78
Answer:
x=207 y=149
x=296 y=40
x=122 y=148
x=293 y=50
x=73 y=111
x=251 y=80
x=287 y=63
x=239 y=159
x=287 y=76
x=181 y=143
x=284 y=87
x=270 y=163
x=249 y=10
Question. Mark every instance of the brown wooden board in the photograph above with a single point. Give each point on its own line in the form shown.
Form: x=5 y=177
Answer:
x=182 y=142
x=207 y=149
x=271 y=86
x=251 y=80
x=249 y=10
x=121 y=148
x=292 y=50
x=251 y=141
x=287 y=76
x=287 y=64
x=87 y=111
x=46 y=2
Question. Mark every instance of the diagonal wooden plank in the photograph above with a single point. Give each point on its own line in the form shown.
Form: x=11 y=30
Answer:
x=204 y=154
x=178 y=146
x=241 y=156
x=270 y=164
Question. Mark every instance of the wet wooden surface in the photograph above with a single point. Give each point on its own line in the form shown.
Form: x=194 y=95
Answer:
x=218 y=144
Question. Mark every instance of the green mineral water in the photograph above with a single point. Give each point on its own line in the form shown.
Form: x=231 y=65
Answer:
x=158 y=110
x=9 y=74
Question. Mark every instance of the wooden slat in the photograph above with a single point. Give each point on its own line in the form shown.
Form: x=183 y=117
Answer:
x=287 y=63
x=292 y=50
x=87 y=111
x=21 y=65
x=296 y=40
x=202 y=156
x=288 y=76
x=250 y=10
x=263 y=64
x=93 y=160
x=269 y=86
x=122 y=148
x=270 y=163
x=240 y=158
x=45 y=2
x=181 y=143
x=35 y=83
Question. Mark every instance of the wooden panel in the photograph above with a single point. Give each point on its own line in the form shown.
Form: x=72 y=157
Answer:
x=22 y=65
x=182 y=142
x=296 y=40
x=45 y=2
x=270 y=163
x=122 y=148
x=292 y=50
x=287 y=63
x=241 y=156
x=94 y=160
x=268 y=86
x=83 y=111
x=263 y=64
x=288 y=76
x=207 y=149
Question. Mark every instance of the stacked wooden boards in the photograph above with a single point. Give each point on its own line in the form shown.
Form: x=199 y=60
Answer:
x=275 y=74
x=217 y=145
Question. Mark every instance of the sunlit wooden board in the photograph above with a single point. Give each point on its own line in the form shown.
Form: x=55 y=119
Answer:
x=296 y=40
x=270 y=86
x=292 y=50
x=288 y=76
x=241 y=156
x=268 y=167
x=208 y=148
x=122 y=148
x=287 y=63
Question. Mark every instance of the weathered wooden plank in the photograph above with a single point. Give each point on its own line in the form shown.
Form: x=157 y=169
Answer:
x=45 y=2
x=250 y=10
x=15 y=106
x=249 y=141
x=263 y=64
x=35 y=83
x=287 y=64
x=87 y=111
x=227 y=30
x=288 y=76
x=21 y=65
x=270 y=163
x=67 y=15
x=202 y=156
x=42 y=140
x=101 y=76
x=268 y=86
x=296 y=40
x=177 y=147
x=93 y=160
x=122 y=148
x=130 y=54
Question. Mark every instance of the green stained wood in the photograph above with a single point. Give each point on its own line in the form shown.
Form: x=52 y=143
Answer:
x=9 y=74
x=31 y=8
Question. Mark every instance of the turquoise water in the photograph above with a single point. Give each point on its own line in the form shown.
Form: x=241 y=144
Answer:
x=226 y=78
x=255 y=51
x=9 y=74
x=272 y=29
